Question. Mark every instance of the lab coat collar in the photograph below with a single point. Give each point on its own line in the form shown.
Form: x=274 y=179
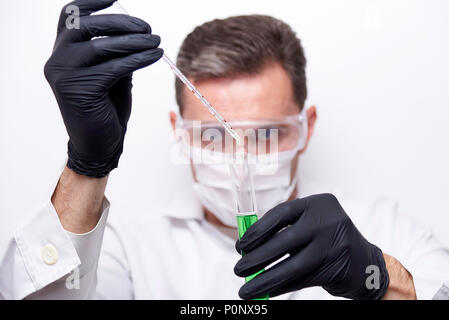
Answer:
x=184 y=204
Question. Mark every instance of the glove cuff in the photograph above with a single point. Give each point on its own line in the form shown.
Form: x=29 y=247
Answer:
x=97 y=168
x=384 y=278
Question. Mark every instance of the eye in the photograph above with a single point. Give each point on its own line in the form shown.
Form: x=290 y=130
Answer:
x=284 y=131
x=267 y=133
x=212 y=134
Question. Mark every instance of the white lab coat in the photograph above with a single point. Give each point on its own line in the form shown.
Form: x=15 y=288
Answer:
x=174 y=253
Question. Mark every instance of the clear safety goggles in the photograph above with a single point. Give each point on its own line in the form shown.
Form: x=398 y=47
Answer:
x=260 y=136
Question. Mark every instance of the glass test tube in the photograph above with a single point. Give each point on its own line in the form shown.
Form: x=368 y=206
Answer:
x=244 y=202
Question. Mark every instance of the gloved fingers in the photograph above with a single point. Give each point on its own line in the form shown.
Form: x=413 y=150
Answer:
x=281 y=275
x=84 y=7
x=273 y=221
x=120 y=95
x=104 y=25
x=300 y=283
x=287 y=240
x=100 y=50
x=88 y=7
x=121 y=67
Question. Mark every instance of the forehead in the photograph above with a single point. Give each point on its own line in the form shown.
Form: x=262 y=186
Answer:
x=265 y=95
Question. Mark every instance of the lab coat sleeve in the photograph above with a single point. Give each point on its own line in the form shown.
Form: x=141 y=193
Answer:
x=44 y=261
x=425 y=257
x=414 y=245
x=443 y=293
x=114 y=274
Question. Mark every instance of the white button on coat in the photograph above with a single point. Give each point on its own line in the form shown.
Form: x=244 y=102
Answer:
x=50 y=254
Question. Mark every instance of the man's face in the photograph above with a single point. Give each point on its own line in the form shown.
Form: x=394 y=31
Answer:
x=264 y=96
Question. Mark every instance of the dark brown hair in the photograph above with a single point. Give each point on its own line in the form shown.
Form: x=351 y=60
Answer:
x=225 y=48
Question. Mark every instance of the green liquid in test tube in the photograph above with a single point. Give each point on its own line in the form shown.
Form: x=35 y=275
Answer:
x=244 y=202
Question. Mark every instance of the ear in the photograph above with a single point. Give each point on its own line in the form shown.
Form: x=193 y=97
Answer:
x=312 y=116
x=173 y=118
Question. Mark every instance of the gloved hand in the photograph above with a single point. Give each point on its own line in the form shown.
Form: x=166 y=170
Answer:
x=325 y=249
x=91 y=80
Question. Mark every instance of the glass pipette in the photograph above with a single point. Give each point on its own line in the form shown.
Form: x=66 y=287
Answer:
x=194 y=90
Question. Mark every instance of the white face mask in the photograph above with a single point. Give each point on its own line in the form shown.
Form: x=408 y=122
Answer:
x=214 y=188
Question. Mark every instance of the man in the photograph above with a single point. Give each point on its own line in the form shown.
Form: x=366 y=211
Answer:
x=252 y=68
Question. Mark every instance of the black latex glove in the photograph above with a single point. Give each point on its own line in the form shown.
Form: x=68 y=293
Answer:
x=325 y=249
x=91 y=80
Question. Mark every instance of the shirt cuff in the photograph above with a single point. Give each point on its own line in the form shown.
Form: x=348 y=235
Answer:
x=49 y=252
x=443 y=293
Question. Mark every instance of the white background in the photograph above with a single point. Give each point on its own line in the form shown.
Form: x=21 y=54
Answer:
x=378 y=72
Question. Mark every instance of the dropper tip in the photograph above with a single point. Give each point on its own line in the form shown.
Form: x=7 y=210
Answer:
x=235 y=136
